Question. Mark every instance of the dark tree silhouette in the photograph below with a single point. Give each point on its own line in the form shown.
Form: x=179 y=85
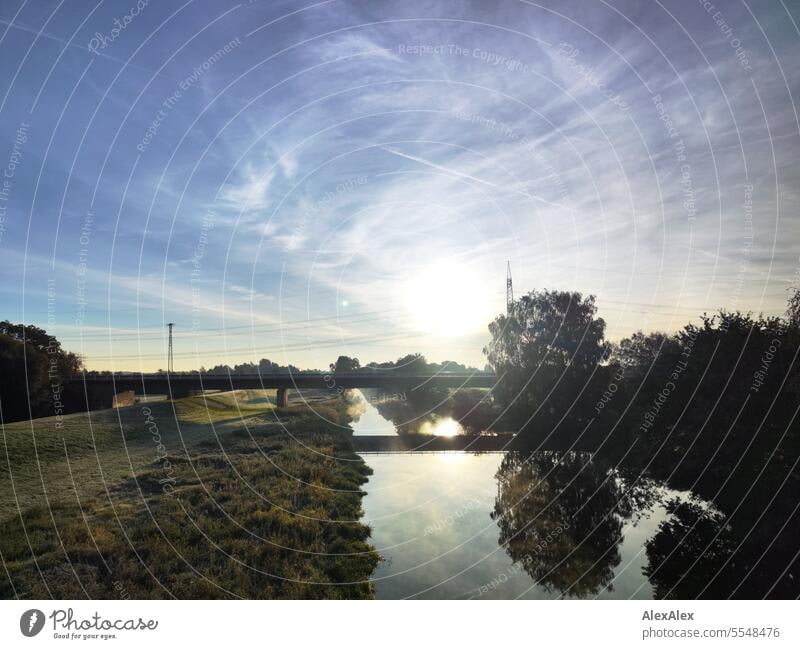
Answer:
x=545 y=350
x=32 y=367
x=345 y=364
x=793 y=308
x=412 y=363
x=644 y=353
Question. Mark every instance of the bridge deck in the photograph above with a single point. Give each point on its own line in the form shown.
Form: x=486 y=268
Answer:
x=172 y=383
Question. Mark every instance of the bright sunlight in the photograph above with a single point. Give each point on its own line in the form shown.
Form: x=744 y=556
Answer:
x=444 y=427
x=448 y=298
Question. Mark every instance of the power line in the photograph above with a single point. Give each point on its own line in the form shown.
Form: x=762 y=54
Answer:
x=287 y=325
x=290 y=347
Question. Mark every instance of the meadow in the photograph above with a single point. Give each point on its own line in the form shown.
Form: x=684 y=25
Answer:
x=212 y=496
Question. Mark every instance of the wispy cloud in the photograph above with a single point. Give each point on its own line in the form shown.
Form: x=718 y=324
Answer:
x=345 y=147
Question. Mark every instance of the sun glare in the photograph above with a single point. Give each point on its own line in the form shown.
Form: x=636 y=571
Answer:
x=446 y=427
x=447 y=299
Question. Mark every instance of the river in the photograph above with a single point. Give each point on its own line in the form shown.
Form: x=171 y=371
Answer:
x=499 y=526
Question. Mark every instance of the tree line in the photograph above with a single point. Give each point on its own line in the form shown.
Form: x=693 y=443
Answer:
x=720 y=386
x=410 y=363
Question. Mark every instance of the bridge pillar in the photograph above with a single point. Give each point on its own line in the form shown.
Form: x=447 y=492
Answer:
x=282 y=399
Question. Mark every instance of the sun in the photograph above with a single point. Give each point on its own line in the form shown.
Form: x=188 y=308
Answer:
x=447 y=298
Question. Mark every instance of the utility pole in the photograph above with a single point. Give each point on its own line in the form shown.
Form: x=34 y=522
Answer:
x=509 y=289
x=169 y=349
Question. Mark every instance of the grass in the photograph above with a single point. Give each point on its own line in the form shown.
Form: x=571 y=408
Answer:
x=102 y=447
x=215 y=496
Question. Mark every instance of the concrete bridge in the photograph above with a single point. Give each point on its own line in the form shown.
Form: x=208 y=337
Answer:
x=119 y=388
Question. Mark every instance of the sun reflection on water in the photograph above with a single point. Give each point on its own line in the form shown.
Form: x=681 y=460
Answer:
x=444 y=427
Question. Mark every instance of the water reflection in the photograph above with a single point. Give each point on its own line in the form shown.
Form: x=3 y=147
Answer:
x=499 y=526
x=561 y=518
x=365 y=418
x=376 y=412
x=746 y=546
x=692 y=526
x=441 y=427
x=438 y=412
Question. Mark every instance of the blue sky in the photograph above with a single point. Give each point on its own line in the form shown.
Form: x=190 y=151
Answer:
x=295 y=180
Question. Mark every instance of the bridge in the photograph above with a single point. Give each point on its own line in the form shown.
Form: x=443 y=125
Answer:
x=119 y=388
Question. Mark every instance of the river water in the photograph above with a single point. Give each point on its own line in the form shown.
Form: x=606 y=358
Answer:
x=499 y=526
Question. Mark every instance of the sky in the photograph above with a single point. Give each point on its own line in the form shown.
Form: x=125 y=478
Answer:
x=299 y=180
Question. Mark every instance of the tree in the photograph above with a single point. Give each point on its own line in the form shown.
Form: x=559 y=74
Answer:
x=793 y=308
x=545 y=350
x=345 y=364
x=32 y=367
x=66 y=363
x=266 y=366
x=23 y=379
x=642 y=350
x=412 y=364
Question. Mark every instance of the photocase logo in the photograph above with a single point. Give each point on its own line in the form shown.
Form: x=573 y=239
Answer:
x=31 y=622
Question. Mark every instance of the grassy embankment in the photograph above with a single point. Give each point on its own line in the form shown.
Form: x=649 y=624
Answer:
x=218 y=497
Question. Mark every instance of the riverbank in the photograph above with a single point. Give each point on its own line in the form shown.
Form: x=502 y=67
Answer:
x=231 y=498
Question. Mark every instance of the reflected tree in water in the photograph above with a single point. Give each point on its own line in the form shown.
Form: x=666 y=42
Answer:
x=561 y=518
x=690 y=546
x=701 y=552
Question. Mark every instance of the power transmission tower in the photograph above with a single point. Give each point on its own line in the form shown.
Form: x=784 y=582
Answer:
x=169 y=348
x=509 y=289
